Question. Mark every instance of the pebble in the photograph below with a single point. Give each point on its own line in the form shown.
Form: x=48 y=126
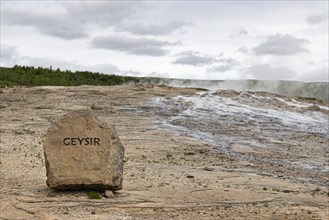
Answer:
x=208 y=169
x=51 y=194
x=109 y=194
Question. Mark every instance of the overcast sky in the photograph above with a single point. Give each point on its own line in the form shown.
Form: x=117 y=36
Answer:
x=271 y=40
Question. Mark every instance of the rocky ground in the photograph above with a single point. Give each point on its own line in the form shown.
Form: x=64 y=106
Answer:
x=190 y=154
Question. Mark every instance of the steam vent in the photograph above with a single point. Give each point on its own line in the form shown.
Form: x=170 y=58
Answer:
x=82 y=153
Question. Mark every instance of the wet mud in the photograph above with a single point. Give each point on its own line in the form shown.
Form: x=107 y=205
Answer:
x=279 y=135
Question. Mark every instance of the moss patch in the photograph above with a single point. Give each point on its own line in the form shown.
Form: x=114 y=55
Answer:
x=94 y=195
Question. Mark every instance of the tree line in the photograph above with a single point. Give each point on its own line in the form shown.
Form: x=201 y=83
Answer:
x=39 y=76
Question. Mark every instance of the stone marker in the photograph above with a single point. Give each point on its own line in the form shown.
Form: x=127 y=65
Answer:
x=82 y=153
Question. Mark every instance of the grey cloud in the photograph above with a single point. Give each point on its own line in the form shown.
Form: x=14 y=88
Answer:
x=9 y=55
x=266 y=72
x=103 y=68
x=160 y=75
x=143 y=74
x=243 y=50
x=74 y=20
x=132 y=45
x=318 y=75
x=224 y=64
x=102 y=13
x=64 y=30
x=239 y=32
x=131 y=73
x=220 y=68
x=281 y=45
x=47 y=62
x=243 y=32
x=53 y=24
x=68 y=65
x=317 y=18
x=155 y=29
x=227 y=60
x=193 y=58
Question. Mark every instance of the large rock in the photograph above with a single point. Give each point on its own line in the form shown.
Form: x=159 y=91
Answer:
x=82 y=153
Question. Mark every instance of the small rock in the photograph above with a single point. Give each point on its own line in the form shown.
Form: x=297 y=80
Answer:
x=109 y=194
x=208 y=168
x=93 y=212
x=189 y=153
x=313 y=108
x=51 y=194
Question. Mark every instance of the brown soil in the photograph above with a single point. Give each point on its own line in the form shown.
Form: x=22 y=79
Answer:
x=167 y=175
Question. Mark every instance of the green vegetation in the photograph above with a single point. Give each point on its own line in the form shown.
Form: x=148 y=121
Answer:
x=38 y=76
x=94 y=195
x=169 y=155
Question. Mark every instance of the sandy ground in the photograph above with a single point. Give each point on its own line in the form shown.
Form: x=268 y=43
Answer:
x=167 y=174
